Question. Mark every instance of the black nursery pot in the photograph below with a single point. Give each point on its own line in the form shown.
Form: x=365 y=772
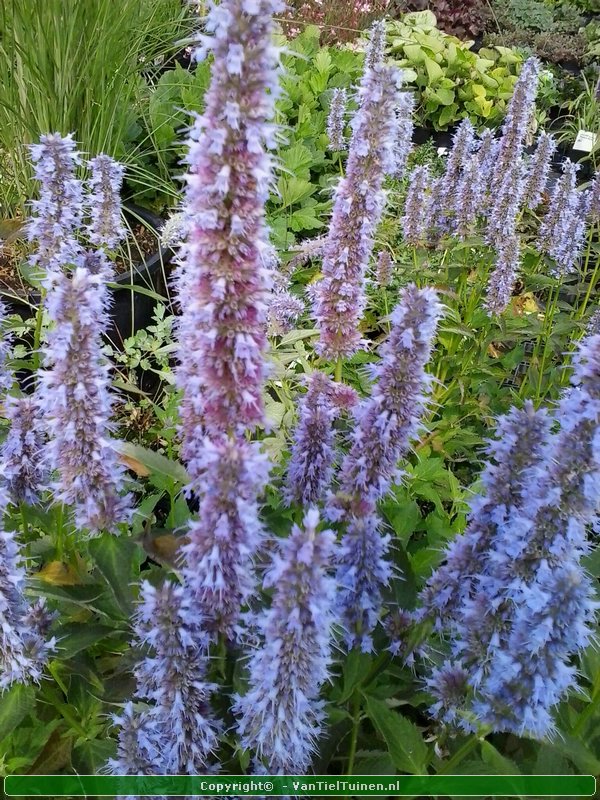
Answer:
x=132 y=310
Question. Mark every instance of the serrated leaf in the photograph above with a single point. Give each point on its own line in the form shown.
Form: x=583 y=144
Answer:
x=113 y=556
x=73 y=638
x=405 y=744
x=15 y=704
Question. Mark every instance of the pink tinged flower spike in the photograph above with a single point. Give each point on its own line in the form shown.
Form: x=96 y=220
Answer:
x=502 y=280
x=105 y=228
x=281 y=716
x=358 y=207
x=538 y=170
x=22 y=452
x=416 y=209
x=383 y=270
x=227 y=534
x=75 y=400
x=175 y=733
x=336 y=121
x=390 y=418
x=310 y=468
x=223 y=279
x=58 y=211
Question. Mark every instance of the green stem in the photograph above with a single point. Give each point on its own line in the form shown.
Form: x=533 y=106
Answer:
x=37 y=334
x=459 y=756
x=354 y=737
x=25 y=523
x=591 y=707
x=338 y=370
x=594 y=277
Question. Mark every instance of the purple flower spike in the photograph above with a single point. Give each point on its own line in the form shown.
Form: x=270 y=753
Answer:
x=75 y=400
x=383 y=272
x=106 y=227
x=502 y=280
x=285 y=309
x=23 y=646
x=335 y=120
x=58 y=211
x=469 y=197
x=23 y=451
x=311 y=464
x=560 y=209
x=567 y=249
x=595 y=198
x=416 y=209
x=539 y=169
x=227 y=534
x=507 y=196
x=376 y=47
x=358 y=207
x=224 y=280
x=281 y=716
x=405 y=112
x=390 y=418
x=176 y=733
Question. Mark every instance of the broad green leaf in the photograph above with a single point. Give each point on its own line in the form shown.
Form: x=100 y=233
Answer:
x=322 y=61
x=113 y=556
x=155 y=462
x=577 y=752
x=293 y=189
x=499 y=763
x=355 y=670
x=15 y=704
x=405 y=744
x=434 y=71
x=73 y=637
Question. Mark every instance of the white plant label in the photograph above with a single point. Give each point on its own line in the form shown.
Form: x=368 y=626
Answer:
x=585 y=141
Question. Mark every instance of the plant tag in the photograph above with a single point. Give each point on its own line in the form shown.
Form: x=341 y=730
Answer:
x=441 y=151
x=585 y=141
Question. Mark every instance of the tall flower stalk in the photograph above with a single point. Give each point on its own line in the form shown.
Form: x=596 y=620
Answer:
x=281 y=716
x=358 y=205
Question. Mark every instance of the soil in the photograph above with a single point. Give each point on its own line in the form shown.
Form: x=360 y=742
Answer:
x=140 y=244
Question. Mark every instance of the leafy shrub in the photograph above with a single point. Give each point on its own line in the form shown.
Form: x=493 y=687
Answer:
x=452 y=81
x=461 y=18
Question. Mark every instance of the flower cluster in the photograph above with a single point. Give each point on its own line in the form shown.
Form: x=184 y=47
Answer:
x=105 y=228
x=22 y=452
x=174 y=733
x=280 y=717
x=358 y=206
x=335 y=119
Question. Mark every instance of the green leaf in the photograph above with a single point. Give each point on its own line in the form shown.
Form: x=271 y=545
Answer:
x=576 y=752
x=74 y=637
x=155 y=462
x=322 y=61
x=355 y=670
x=113 y=556
x=293 y=189
x=434 y=71
x=499 y=763
x=304 y=219
x=447 y=115
x=15 y=704
x=405 y=743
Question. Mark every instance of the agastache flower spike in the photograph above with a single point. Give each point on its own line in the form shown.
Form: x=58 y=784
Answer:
x=105 y=228
x=358 y=206
x=538 y=170
x=75 y=400
x=376 y=47
x=405 y=111
x=595 y=198
x=23 y=649
x=176 y=734
x=414 y=221
x=311 y=463
x=227 y=533
x=443 y=200
x=285 y=309
x=560 y=208
x=383 y=271
x=469 y=197
x=567 y=249
x=386 y=423
x=22 y=452
x=58 y=211
x=335 y=120
x=280 y=718
x=502 y=280
x=223 y=279
x=506 y=200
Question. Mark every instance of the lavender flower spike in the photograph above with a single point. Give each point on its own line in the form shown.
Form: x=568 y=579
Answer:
x=416 y=209
x=390 y=418
x=405 y=112
x=539 y=169
x=223 y=280
x=335 y=120
x=23 y=649
x=358 y=206
x=177 y=733
x=75 y=399
x=502 y=280
x=58 y=211
x=280 y=718
x=376 y=47
x=383 y=272
x=560 y=208
x=285 y=309
x=22 y=452
x=595 y=198
x=6 y=376
x=311 y=464
x=106 y=227
x=227 y=534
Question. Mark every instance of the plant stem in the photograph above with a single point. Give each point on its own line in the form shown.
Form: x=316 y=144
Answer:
x=355 y=728
x=460 y=754
x=37 y=334
x=338 y=370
